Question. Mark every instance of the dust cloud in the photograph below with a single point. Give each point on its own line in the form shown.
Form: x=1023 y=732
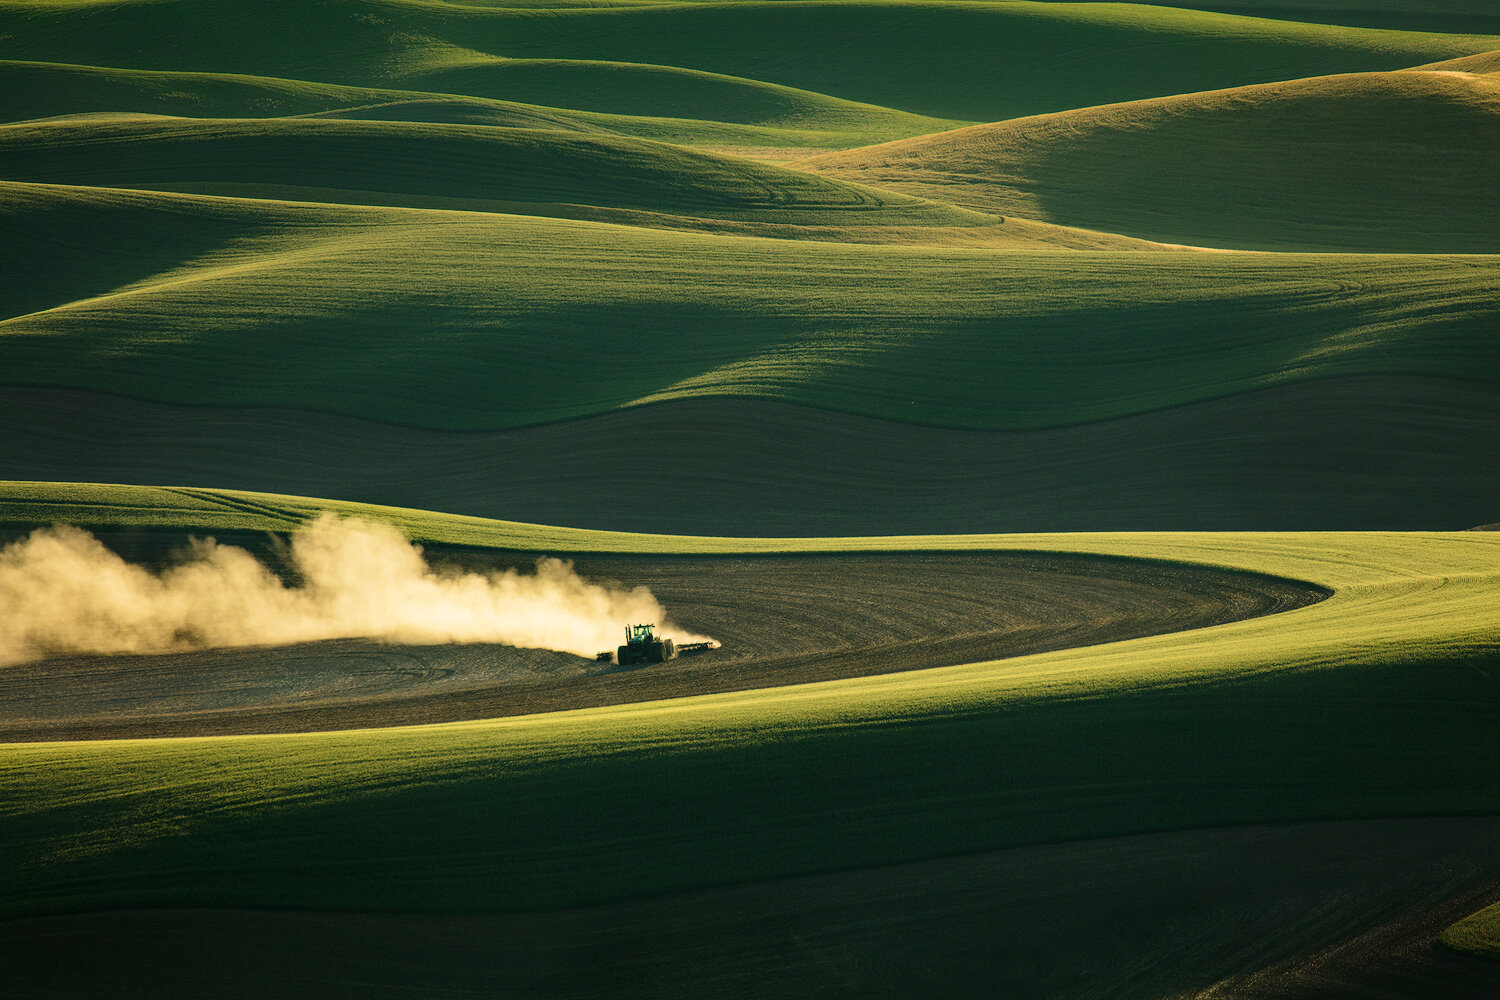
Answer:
x=62 y=591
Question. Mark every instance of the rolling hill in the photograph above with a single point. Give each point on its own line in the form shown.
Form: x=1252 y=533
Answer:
x=964 y=607
x=1487 y=63
x=251 y=303
x=1429 y=15
x=1329 y=454
x=1015 y=381
x=1062 y=413
x=976 y=62
x=462 y=166
x=1391 y=162
x=1478 y=933
x=1392 y=647
x=778 y=115
x=1268 y=720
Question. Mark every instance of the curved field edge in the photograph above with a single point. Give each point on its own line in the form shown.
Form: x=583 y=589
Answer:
x=178 y=509
x=1416 y=15
x=45 y=90
x=1377 y=702
x=1383 y=162
x=468 y=166
x=793 y=619
x=182 y=508
x=926 y=58
x=426 y=318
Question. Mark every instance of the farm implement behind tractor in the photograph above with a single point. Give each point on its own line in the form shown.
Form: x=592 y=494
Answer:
x=642 y=645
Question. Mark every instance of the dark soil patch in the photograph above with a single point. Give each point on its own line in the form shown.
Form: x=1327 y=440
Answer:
x=781 y=619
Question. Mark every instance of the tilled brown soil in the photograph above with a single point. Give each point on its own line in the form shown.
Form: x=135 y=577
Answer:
x=1333 y=911
x=1399 y=453
x=781 y=620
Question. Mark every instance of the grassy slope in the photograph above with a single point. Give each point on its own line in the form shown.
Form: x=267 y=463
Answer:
x=1419 y=15
x=31 y=90
x=1275 y=719
x=1478 y=933
x=1415 y=8
x=467 y=165
x=974 y=61
x=1484 y=63
x=454 y=320
x=1291 y=890
x=629 y=89
x=177 y=509
x=212 y=301
x=1327 y=454
x=1368 y=162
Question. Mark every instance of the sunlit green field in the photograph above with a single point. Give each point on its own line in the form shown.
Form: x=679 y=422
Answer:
x=1290 y=717
x=853 y=266
x=1284 y=166
x=1478 y=934
x=454 y=320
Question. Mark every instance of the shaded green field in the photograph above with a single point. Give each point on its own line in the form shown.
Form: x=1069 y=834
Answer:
x=1355 y=453
x=1297 y=886
x=627 y=89
x=1274 y=719
x=972 y=61
x=178 y=509
x=765 y=245
x=1426 y=15
x=1483 y=62
x=481 y=167
x=455 y=320
x=1370 y=162
x=782 y=116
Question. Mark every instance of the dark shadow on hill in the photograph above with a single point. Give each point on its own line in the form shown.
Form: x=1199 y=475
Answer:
x=1133 y=918
x=1356 y=453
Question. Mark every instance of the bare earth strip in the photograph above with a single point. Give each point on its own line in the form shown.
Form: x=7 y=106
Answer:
x=782 y=620
x=1329 y=910
x=1397 y=453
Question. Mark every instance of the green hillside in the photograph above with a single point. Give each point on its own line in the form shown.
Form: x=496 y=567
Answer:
x=471 y=166
x=1391 y=162
x=783 y=116
x=968 y=61
x=1478 y=933
x=1357 y=452
x=49 y=90
x=186 y=509
x=417 y=317
x=1482 y=62
x=623 y=88
x=1150 y=347
x=1275 y=719
x=1422 y=15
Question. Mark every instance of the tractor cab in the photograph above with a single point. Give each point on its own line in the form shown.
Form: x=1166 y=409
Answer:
x=639 y=633
x=642 y=646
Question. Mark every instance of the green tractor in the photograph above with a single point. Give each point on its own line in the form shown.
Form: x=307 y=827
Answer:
x=642 y=646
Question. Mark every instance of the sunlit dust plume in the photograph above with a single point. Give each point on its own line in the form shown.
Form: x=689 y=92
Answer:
x=62 y=591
